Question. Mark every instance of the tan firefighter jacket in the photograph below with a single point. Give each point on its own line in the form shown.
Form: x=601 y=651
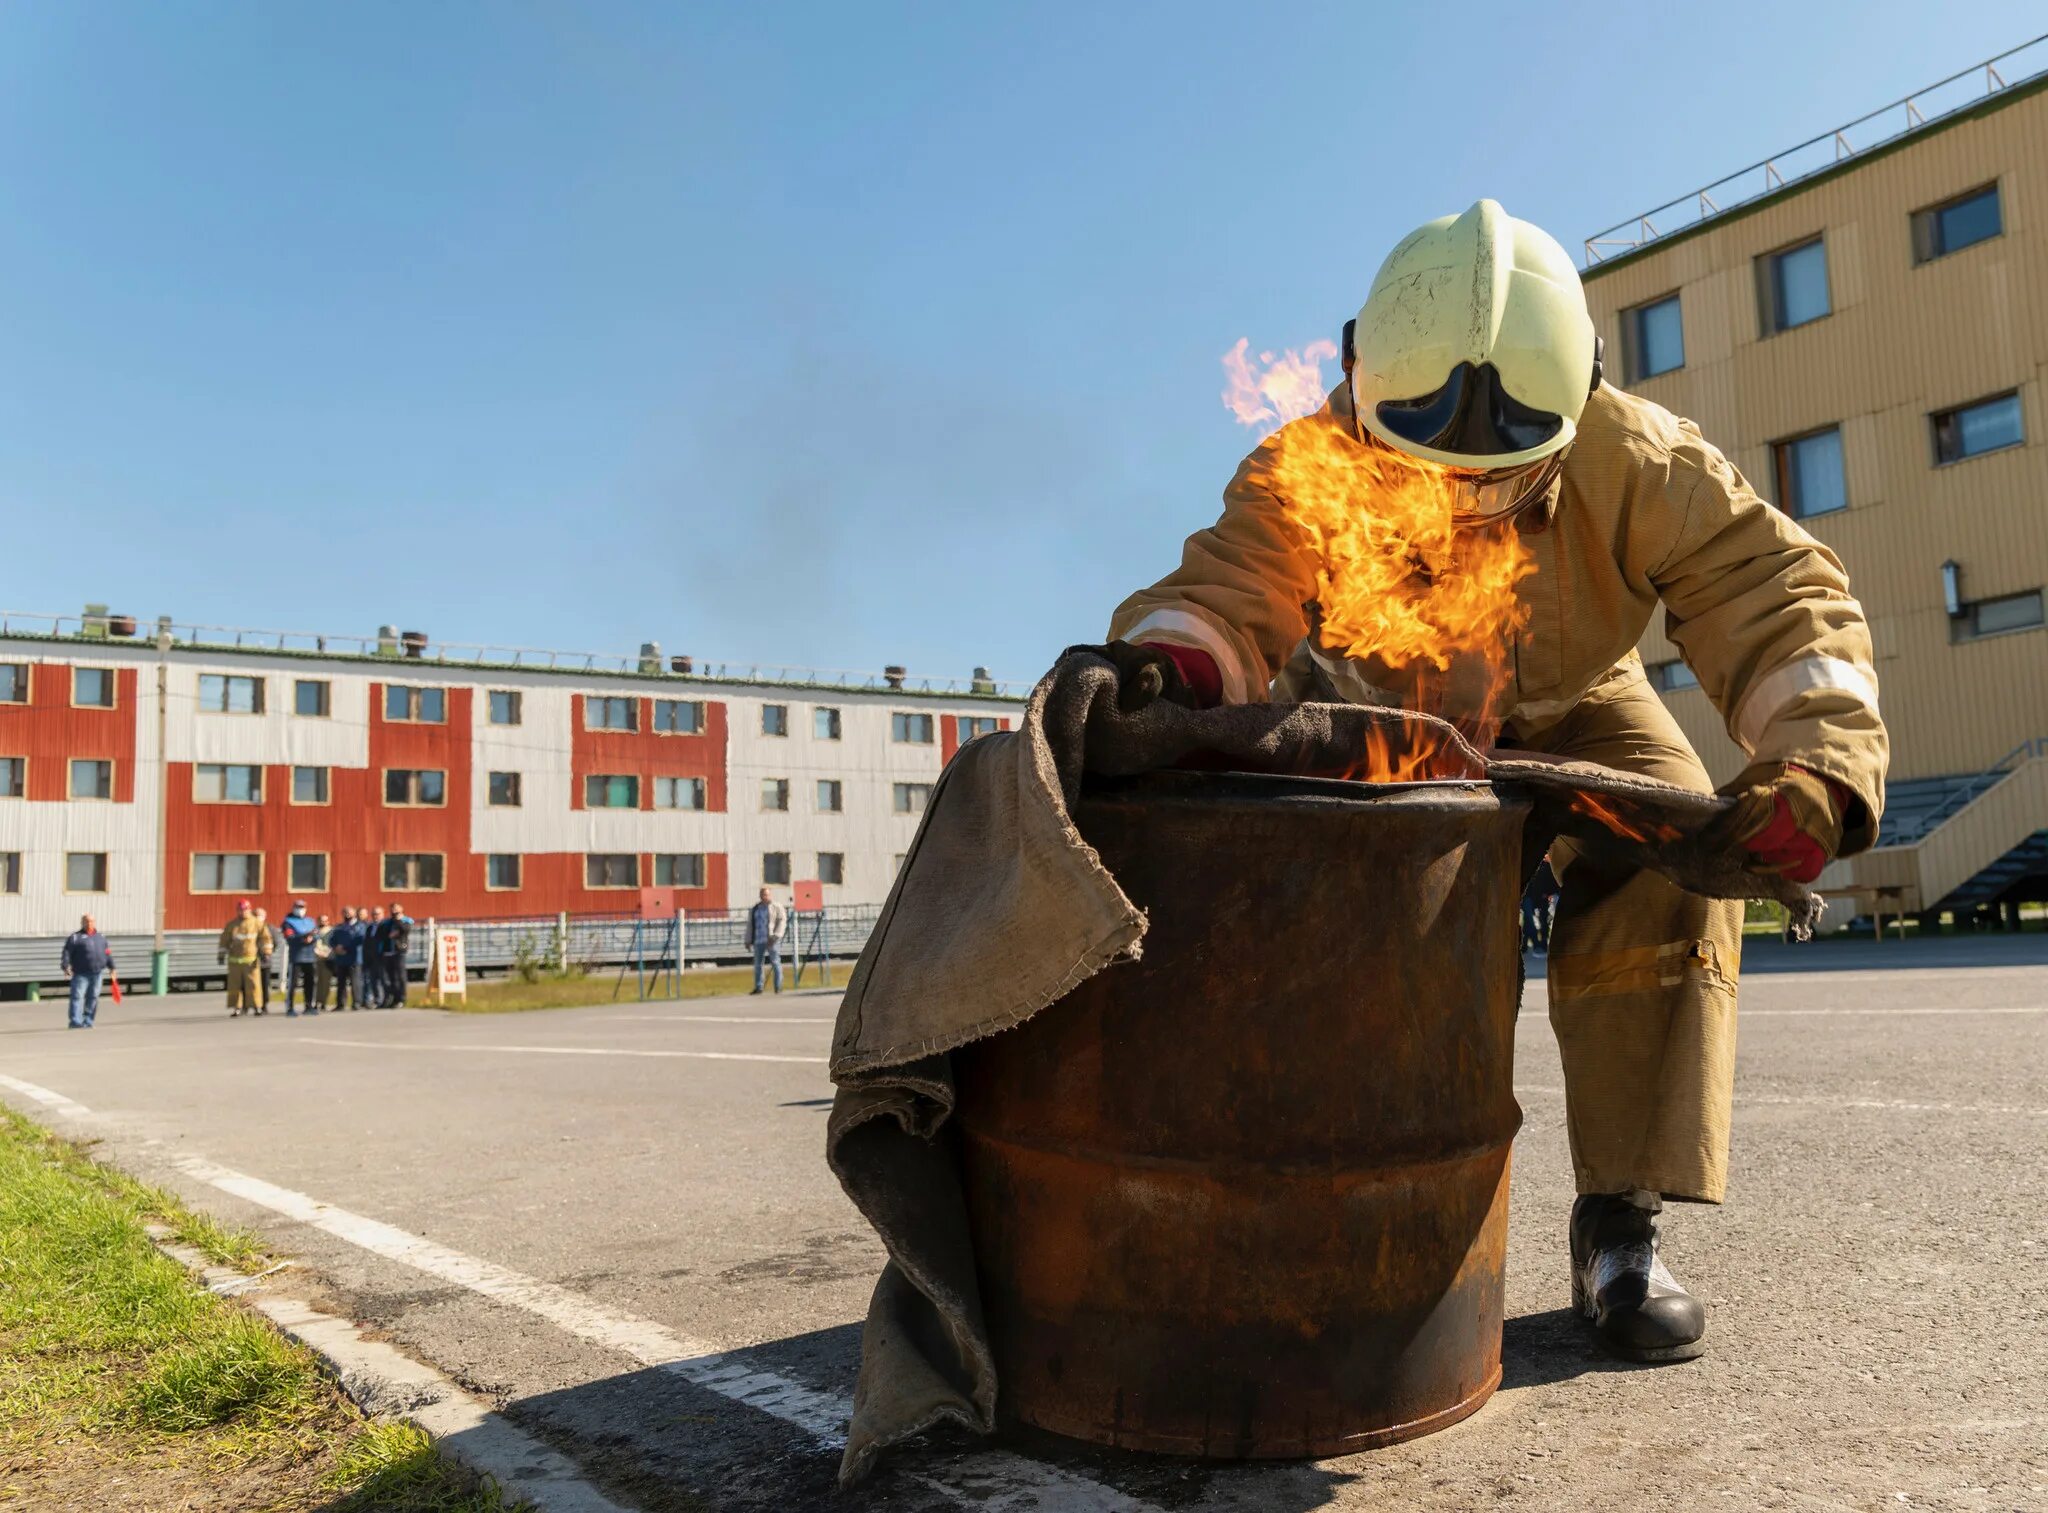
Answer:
x=244 y=940
x=1645 y=511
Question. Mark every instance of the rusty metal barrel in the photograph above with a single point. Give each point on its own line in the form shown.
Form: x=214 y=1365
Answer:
x=1247 y=1196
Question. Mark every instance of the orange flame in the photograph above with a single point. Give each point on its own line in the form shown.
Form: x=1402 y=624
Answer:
x=1427 y=608
x=1594 y=806
x=1411 y=753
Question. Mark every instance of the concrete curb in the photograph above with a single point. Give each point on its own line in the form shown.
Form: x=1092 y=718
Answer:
x=386 y=1383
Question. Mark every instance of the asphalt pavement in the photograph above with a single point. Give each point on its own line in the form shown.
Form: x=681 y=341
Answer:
x=615 y=1223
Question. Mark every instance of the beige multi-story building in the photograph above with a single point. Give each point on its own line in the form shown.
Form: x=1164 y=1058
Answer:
x=1868 y=342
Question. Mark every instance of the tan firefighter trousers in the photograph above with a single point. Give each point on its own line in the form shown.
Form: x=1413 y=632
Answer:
x=245 y=984
x=1642 y=977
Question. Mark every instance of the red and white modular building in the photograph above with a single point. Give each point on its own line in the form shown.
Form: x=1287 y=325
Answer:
x=151 y=776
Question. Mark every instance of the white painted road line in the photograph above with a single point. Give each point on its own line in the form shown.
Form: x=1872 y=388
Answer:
x=822 y=1415
x=1881 y=1105
x=709 y=1019
x=993 y=1481
x=557 y=1050
x=47 y=1098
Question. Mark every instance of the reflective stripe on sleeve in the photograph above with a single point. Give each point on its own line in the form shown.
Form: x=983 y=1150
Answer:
x=1773 y=692
x=1186 y=628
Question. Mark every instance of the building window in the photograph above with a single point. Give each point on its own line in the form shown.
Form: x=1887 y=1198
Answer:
x=831 y=867
x=615 y=870
x=227 y=871
x=775 y=793
x=1810 y=480
x=914 y=728
x=10 y=871
x=13 y=682
x=228 y=783
x=311 y=696
x=92 y=688
x=221 y=694
x=679 y=793
x=92 y=779
x=309 y=785
x=1672 y=676
x=309 y=872
x=413 y=871
x=1653 y=338
x=405 y=704
x=831 y=796
x=506 y=710
x=1994 y=617
x=415 y=787
x=897 y=865
x=13 y=777
x=775 y=719
x=501 y=870
x=611 y=790
x=1989 y=425
x=825 y=723
x=972 y=725
x=504 y=790
x=1958 y=223
x=85 y=872
x=911 y=798
x=679 y=716
x=1792 y=286
x=603 y=712
x=683 y=869
x=775 y=867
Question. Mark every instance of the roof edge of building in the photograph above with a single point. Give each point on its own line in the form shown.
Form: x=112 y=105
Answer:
x=2012 y=94
x=144 y=649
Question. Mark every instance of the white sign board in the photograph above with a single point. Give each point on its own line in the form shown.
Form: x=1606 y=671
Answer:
x=450 y=975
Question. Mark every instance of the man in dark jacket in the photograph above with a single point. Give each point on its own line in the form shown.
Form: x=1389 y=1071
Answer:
x=393 y=942
x=344 y=961
x=303 y=961
x=87 y=958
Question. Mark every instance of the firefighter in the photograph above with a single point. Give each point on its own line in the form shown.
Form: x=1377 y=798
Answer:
x=245 y=950
x=1474 y=354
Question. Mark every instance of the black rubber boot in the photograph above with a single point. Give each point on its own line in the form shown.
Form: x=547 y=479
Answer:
x=1620 y=1284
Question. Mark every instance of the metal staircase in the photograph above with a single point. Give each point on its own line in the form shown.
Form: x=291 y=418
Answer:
x=2028 y=859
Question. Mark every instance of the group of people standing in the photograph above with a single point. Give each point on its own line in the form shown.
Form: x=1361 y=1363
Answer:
x=358 y=963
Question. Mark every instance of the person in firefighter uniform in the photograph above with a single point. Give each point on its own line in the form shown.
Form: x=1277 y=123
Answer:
x=244 y=949
x=1474 y=354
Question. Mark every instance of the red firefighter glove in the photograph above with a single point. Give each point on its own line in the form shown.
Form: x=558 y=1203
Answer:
x=1787 y=818
x=1145 y=673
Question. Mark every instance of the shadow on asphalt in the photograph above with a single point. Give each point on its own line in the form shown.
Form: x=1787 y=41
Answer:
x=656 y=1439
x=1538 y=1349
x=1763 y=955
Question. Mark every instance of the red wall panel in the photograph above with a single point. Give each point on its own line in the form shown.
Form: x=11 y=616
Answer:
x=50 y=733
x=649 y=754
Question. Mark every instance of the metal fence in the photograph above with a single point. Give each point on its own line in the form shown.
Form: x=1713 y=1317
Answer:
x=710 y=937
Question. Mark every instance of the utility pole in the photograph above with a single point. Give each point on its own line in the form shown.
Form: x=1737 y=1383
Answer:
x=160 y=956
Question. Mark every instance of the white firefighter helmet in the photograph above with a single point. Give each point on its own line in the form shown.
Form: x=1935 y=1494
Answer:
x=1474 y=351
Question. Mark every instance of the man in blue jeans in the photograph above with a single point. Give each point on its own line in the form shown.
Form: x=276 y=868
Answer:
x=765 y=924
x=87 y=959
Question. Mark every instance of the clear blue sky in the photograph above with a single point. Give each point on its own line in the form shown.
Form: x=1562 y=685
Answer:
x=835 y=334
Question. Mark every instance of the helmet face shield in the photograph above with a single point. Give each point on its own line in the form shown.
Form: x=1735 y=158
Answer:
x=1481 y=498
x=1471 y=414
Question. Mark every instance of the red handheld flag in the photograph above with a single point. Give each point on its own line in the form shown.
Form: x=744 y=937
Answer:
x=114 y=983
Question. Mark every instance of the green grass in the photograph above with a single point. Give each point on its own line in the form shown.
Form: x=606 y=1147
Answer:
x=514 y=995
x=394 y=1468
x=113 y=1362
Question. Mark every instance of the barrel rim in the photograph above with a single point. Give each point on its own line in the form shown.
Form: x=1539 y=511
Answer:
x=1174 y=784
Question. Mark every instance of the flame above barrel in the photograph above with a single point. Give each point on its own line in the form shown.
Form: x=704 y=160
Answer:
x=1427 y=606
